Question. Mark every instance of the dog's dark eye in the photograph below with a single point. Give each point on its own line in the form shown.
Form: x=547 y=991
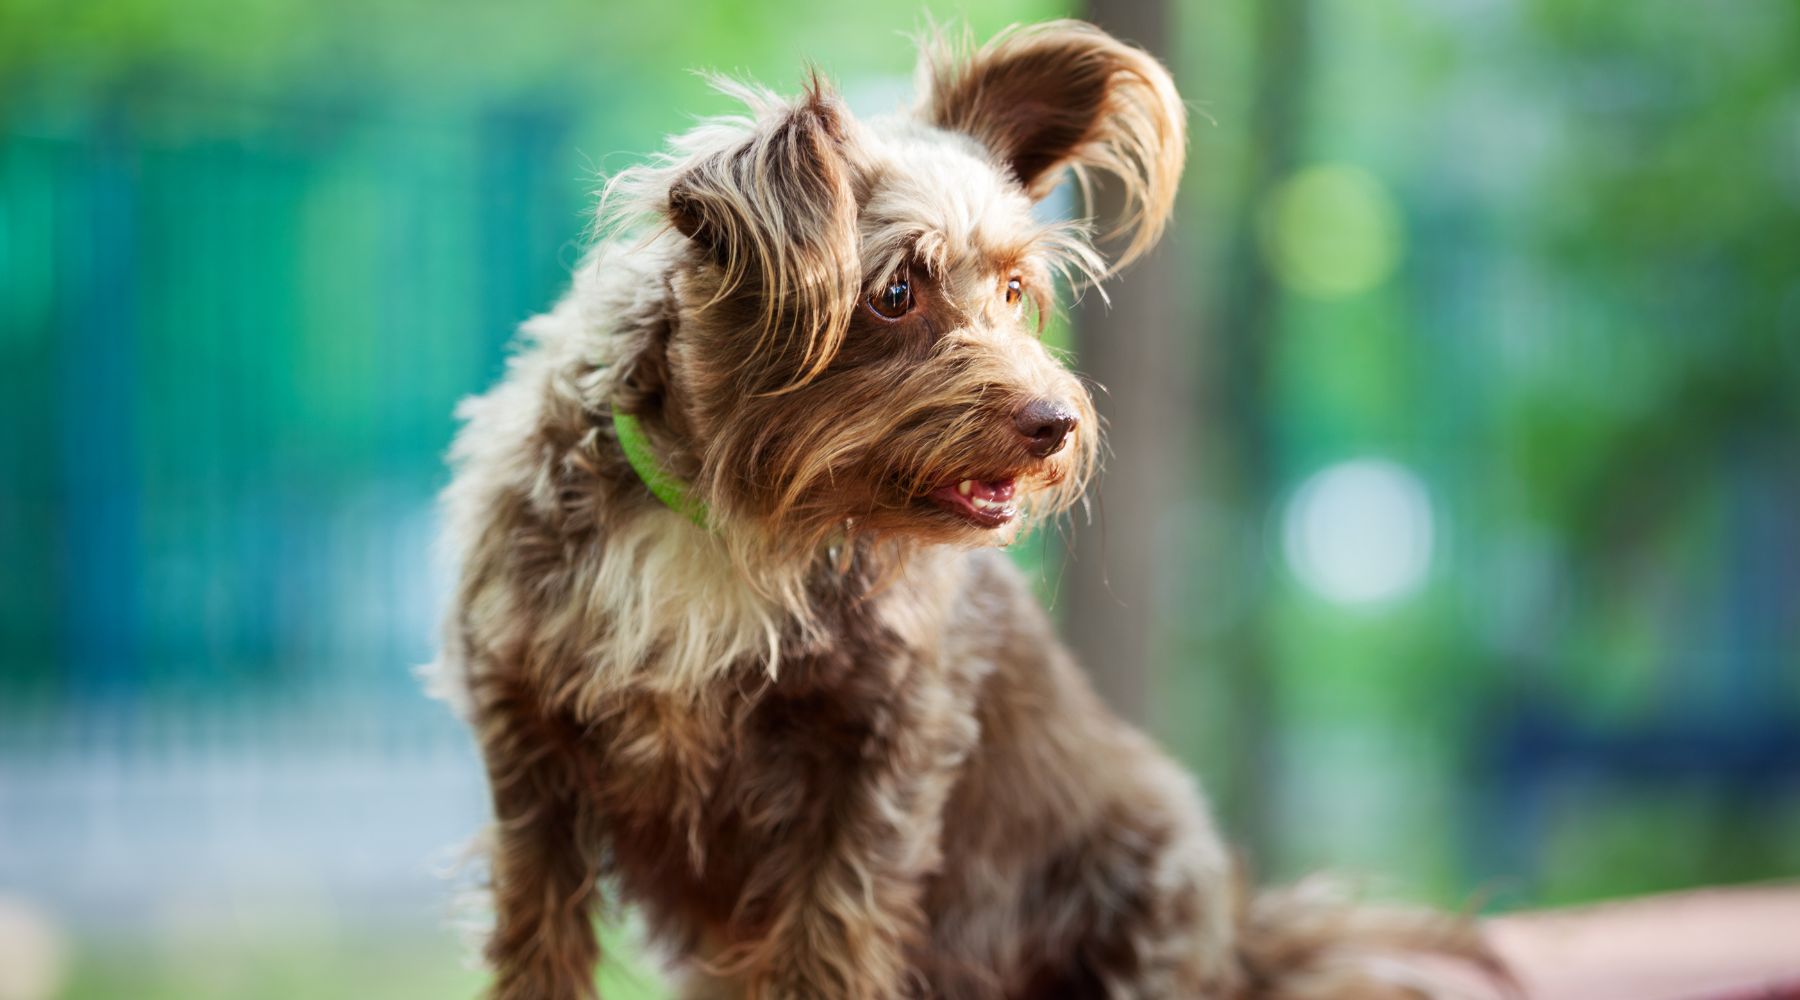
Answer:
x=1014 y=290
x=894 y=301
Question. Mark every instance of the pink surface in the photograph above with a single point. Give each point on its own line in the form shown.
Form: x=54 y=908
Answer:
x=1719 y=944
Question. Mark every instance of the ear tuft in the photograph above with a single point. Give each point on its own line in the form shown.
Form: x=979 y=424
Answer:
x=776 y=212
x=1066 y=94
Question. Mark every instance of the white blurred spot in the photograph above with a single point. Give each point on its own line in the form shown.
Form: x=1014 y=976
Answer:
x=34 y=957
x=1360 y=532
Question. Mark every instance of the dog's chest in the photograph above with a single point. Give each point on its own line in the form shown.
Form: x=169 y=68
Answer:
x=868 y=730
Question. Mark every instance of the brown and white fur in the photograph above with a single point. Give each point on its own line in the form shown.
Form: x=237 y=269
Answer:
x=827 y=744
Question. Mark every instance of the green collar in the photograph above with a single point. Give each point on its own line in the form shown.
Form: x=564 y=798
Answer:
x=667 y=487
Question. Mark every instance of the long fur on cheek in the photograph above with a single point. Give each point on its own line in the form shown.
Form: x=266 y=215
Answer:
x=868 y=443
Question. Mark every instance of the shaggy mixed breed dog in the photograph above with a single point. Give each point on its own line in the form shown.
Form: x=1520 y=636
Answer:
x=733 y=629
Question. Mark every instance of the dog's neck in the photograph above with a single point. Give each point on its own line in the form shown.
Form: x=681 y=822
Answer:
x=679 y=605
x=686 y=608
x=665 y=485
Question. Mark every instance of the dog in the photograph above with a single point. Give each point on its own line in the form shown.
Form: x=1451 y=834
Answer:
x=733 y=631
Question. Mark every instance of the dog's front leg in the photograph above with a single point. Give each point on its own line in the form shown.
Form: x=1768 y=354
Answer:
x=853 y=826
x=543 y=864
x=841 y=933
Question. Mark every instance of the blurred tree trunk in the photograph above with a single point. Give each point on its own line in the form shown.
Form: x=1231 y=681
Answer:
x=1139 y=350
x=1109 y=589
x=1249 y=315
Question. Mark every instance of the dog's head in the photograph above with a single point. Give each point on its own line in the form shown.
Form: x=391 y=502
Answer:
x=856 y=337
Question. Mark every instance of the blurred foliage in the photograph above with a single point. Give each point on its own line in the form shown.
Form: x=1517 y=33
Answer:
x=1588 y=351
x=308 y=964
x=630 y=70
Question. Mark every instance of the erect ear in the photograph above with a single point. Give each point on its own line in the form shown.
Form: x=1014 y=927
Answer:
x=777 y=213
x=1066 y=94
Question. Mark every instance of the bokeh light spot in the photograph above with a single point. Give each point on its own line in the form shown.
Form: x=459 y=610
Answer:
x=1360 y=532
x=1331 y=231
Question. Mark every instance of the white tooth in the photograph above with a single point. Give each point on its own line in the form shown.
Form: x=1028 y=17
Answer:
x=965 y=487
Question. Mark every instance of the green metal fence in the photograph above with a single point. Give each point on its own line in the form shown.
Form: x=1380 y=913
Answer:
x=228 y=364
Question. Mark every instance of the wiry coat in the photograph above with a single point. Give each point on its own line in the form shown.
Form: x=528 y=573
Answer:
x=826 y=742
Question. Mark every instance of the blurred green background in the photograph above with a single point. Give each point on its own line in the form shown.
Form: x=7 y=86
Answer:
x=1483 y=574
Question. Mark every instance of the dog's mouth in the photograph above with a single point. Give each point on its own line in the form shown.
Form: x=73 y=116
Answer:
x=985 y=503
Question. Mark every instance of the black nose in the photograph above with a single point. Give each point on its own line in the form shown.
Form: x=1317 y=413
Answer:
x=1044 y=423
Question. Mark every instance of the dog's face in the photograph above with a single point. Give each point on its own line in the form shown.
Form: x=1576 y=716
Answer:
x=858 y=339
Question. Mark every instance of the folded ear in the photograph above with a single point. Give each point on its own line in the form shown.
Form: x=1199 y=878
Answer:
x=1066 y=94
x=777 y=213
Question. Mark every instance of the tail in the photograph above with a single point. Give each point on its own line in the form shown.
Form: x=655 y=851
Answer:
x=1314 y=941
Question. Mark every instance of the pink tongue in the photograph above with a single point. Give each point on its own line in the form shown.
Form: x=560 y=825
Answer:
x=999 y=492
